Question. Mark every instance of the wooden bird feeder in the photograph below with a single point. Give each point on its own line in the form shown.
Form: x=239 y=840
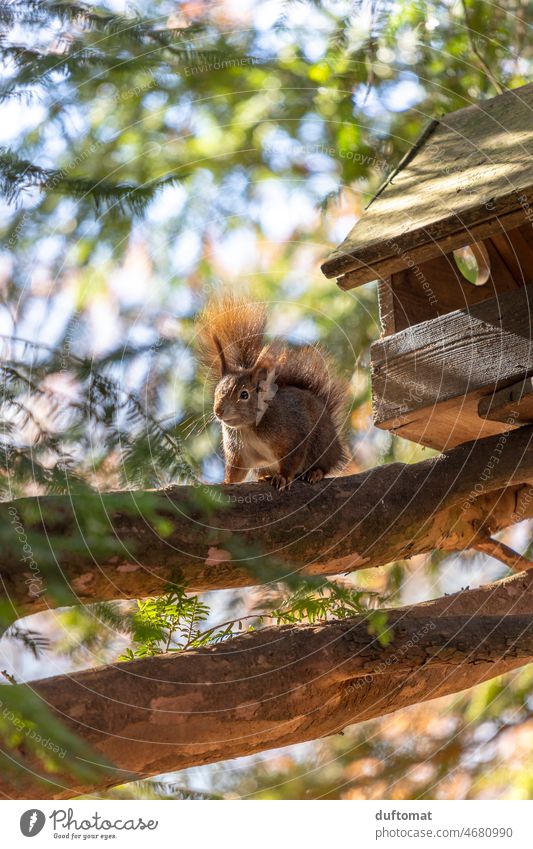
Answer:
x=455 y=360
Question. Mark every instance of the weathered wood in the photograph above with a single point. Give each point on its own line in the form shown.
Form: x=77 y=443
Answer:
x=271 y=688
x=423 y=253
x=521 y=239
x=516 y=254
x=427 y=380
x=476 y=166
x=429 y=290
x=515 y=400
x=341 y=524
x=387 y=307
x=446 y=425
x=501 y=277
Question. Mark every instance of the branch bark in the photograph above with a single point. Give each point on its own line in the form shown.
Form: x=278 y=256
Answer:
x=277 y=687
x=281 y=685
x=255 y=534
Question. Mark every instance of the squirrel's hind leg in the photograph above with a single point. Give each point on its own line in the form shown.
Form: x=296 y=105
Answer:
x=290 y=468
x=313 y=475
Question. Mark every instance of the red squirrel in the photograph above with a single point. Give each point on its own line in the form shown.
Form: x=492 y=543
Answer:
x=281 y=408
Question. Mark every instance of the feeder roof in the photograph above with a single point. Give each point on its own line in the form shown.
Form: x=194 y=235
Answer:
x=468 y=174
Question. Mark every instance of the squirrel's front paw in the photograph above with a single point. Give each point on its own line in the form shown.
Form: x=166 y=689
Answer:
x=281 y=482
x=313 y=476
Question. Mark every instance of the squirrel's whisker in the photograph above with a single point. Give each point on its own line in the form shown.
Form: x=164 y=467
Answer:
x=206 y=424
x=192 y=424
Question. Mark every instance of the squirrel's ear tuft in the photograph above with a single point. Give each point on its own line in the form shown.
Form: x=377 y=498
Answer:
x=230 y=334
x=222 y=358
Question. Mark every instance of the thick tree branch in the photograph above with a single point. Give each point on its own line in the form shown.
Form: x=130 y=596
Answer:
x=257 y=534
x=268 y=689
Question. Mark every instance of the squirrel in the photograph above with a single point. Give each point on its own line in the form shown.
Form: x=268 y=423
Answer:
x=280 y=408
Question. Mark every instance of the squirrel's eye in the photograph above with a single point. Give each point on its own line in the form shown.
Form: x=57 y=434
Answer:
x=244 y=395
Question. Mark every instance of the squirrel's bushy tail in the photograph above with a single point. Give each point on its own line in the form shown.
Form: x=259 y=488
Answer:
x=230 y=334
x=311 y=368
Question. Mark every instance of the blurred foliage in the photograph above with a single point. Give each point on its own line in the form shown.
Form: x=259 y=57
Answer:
x=474 y=746
x=175 y=621
x=67 y=425
x=147 y=157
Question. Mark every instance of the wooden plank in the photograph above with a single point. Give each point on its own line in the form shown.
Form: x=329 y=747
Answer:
x=422 y=293
x=427 y=380
x=435 y=288
x=526 y=230
x=386 y=308
x=476 y=164
x=522 y=241
x=501 y=275
x=515 y=401
x=428 y=250
x=503 y=244
x=447 y=424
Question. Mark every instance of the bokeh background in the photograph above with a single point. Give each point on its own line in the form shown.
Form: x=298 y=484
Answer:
x=152 y=154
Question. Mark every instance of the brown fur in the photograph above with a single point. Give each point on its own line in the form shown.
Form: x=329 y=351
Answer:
x=301 y=427
x=239 y=328
x=311 y=368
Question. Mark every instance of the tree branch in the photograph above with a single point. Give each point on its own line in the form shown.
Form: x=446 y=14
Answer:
x=503 y=553
x=267 y=689
x=255 y=534
x=485 y=66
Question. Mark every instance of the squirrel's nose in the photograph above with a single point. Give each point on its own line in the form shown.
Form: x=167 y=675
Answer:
x=219 y=410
